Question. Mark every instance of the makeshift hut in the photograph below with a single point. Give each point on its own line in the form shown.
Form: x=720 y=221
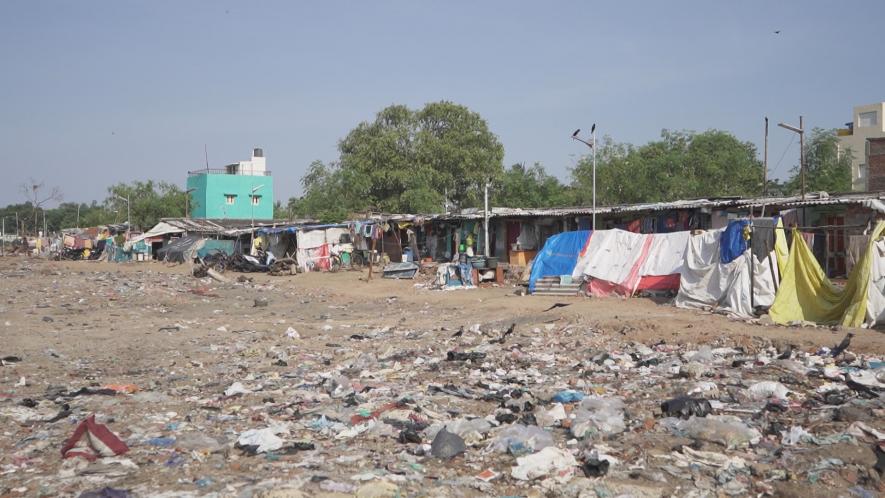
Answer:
x=559 y=256
x=623 y=263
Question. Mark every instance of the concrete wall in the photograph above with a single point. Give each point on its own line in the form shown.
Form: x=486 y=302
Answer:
x=211 y=191
x=857 y=143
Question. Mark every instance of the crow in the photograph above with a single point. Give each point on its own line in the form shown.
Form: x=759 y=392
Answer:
x=837 y=350
x=459 y=333
x=507 y=332
x=787 y=353
x=557 y=305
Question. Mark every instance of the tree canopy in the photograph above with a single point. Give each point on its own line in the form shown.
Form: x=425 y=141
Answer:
x=826 y=168
x=681 y=165
x=406 y=161
x=530 y=187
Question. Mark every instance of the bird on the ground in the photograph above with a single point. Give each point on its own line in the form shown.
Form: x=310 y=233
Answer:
x=507 y=332
x=787 y=353
x=557 y=305
x=459 y=333
x=842 y=345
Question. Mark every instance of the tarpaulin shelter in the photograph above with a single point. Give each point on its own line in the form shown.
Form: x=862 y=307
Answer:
x=181 y=250
x=709 y=283
x=805 y=293
x=314 y=245
x=558 y=256
x=622 y=262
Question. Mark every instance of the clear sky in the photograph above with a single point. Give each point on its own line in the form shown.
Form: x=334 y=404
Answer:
x=93 y=92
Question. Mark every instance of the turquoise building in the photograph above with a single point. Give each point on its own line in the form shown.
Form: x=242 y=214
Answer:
x=239 y=191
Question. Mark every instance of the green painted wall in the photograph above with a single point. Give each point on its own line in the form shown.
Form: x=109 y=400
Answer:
x=210 y=191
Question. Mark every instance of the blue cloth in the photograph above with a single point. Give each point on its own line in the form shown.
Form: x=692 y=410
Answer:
x=732 y=243
x=466 y=270
x=558 y=256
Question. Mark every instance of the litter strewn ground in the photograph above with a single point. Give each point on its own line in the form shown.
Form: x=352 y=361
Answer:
x=336 y=386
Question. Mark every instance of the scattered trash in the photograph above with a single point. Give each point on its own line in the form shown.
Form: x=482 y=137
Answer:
x=231 y=399
x=447 y=445
x=686 y=407
x=549 y=462
x=260 y=440
x=92 y=440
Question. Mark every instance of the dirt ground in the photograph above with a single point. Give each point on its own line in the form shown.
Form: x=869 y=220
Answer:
x=184 y=341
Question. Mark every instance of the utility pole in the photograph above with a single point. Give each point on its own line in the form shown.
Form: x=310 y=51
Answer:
x=485 y=213
x=765 y=162
x=802 y=154
x=78 y=215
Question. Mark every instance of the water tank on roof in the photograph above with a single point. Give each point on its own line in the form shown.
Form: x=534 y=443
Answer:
x=257 y=152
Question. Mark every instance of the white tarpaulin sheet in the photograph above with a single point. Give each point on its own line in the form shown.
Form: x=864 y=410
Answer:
x=612 y=255
x=161 y=228
x=707 y=283
x=876 y=290
x=310 y=252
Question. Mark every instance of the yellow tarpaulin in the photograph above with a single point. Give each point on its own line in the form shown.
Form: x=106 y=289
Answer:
x=780 y=247
x=805 y=293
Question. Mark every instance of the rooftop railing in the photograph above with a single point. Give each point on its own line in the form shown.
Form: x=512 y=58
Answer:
x=225 y=171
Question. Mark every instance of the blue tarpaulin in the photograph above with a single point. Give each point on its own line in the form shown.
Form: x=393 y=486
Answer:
x=558 y=256
x=732 y=242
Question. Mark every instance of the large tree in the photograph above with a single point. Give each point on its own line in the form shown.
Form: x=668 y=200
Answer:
x=150 y=201
x=681 y=165
x=529 y=187
x=324 y=197
x=827 y=168
x=409 y=161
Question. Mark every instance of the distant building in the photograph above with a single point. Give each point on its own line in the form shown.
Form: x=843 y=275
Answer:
x=876 y=164
x=867 y=123
x=239 y=191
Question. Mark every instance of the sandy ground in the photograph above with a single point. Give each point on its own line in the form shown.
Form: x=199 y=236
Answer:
x=183 y=341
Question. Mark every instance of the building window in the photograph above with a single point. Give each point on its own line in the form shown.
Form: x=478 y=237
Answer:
x=256 y=200
x=865 y=119
x=229 y=199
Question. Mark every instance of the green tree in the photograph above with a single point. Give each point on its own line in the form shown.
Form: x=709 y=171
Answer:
x=408 y=161
x=324 y=197
x=530 y=187
x=681 y=165
x=827 y=169
x=149 y=202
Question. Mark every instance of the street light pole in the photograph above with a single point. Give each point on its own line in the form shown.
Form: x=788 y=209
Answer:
x=801 y=131
x=252 y=202
x=592 y=145
x=128 y=214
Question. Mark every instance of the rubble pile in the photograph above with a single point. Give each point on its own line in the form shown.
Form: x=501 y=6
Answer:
x=302 y=405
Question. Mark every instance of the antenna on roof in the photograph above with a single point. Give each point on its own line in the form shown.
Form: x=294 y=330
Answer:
x=206 y=152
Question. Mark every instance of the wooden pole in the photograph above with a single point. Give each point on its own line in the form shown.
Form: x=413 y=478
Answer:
x=765 y=163
x=371 y=258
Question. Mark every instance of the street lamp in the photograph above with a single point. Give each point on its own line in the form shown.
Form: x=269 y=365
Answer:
x=128 y=214
x=252 y=202
x=592 y=145
x=801 y=131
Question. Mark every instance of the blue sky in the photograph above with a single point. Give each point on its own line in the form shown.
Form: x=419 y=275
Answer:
x=94 y=93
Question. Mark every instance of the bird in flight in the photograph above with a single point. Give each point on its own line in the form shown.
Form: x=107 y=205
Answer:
x=557 y=305
x=777 y=32
x=575 y=134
